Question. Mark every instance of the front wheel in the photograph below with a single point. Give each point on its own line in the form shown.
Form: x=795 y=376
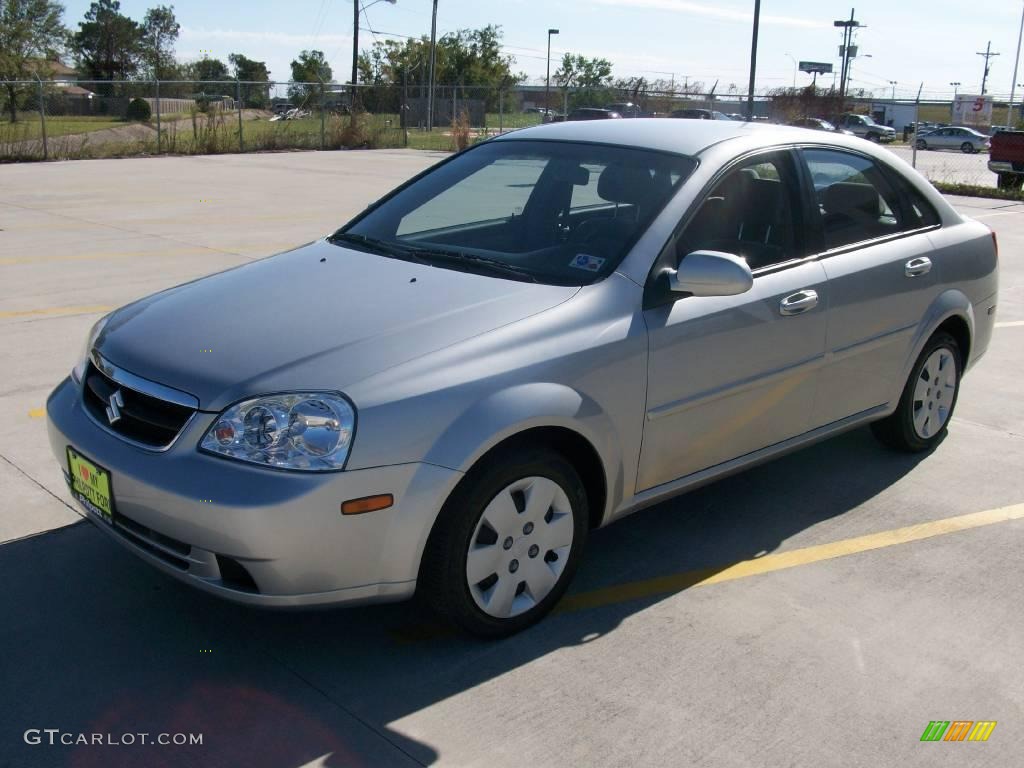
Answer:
x=922 y=144
x=873 y=137
x=507 y=542
x=929 y=397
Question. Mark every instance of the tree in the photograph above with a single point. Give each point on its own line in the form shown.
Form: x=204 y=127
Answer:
x=216 y=80
x=30 y=31
x=160 y=30
x=249 y=72
x=108 y=44
x=577 y=71
x=589 y=77
x=309 y=72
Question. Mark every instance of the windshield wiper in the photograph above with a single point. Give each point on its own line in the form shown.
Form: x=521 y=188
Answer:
x=459 y=257
x=374 y=245
x=424 y=255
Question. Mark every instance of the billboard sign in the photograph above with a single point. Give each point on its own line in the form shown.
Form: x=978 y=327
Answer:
x=816 y=67
x=972 y=109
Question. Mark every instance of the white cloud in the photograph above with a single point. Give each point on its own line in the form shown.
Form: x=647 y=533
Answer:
x=279 y=38
x=716 y=12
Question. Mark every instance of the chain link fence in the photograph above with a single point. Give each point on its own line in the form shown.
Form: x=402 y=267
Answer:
x=42 y=120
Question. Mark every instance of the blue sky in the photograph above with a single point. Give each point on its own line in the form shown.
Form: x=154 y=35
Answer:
x=913 y=41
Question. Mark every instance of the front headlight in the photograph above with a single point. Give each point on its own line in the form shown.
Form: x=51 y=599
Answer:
x=78 y=372
x=309 y=431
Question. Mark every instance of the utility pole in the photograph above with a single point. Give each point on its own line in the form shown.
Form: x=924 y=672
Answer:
x=433 y=47
x=987 y=55
x=753 y=60
x=355 y=48
x=1013 y=83
x=848 y=28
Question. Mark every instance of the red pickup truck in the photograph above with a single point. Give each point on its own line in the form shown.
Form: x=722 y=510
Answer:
x=1006 y=159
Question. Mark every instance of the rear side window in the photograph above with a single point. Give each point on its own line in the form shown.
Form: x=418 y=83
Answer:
x=855 y=201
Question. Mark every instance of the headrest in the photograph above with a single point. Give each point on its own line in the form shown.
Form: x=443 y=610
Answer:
x=850 y=197
x=624 y=184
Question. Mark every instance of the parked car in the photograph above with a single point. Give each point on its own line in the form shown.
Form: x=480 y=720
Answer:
x=625 y=109
x=280 y=109
x=539 y=111
x=1006 y=159
x=865 y=127
x=699 y=114
x=817 y=124
x=593 y=113
x=967 y=140
x=540 y=335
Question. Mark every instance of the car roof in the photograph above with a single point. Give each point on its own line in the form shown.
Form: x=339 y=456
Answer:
x=665 y=134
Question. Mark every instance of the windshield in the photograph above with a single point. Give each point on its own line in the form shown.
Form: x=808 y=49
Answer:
x=559 y=213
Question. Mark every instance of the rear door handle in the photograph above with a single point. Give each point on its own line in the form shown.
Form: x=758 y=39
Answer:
x=919 y=266
x=799 y=302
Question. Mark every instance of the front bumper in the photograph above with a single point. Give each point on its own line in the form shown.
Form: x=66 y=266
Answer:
x=255 y=535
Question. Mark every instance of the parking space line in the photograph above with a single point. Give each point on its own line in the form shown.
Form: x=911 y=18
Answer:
x=783 y=560
x=37 y=413
x=1010 y=324
x=86 y=310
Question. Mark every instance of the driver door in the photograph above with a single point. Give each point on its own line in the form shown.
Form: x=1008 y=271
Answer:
x=729 y=375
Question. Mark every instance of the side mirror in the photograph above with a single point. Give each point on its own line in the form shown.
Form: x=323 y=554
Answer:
x=711 y=273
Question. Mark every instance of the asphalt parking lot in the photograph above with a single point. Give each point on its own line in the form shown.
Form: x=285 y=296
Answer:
x=820 y=610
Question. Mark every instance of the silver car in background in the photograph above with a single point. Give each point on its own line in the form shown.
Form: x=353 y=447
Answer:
x=534 y=338
x=966 y=140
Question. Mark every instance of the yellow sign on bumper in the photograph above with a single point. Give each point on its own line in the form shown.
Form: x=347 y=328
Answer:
x=91 y=485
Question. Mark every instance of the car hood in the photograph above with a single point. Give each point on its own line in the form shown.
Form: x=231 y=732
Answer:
x=320 y=317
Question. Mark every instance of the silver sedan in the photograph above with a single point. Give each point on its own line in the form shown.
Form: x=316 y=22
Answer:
x=534 y=338
x=966 y=140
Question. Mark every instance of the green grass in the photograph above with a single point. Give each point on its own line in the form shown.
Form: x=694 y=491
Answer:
x=28 y=126
x=975 y=190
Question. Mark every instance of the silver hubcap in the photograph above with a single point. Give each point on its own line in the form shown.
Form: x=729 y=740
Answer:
x=933 y=393
x=520 y=547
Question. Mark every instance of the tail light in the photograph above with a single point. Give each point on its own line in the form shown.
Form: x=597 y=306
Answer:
x=995 y=242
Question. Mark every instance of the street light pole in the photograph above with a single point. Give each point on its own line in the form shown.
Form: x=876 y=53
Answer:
x=794 y=69
x=547 y=78
x=893 y=83
x=753 y=60
x=430 y=88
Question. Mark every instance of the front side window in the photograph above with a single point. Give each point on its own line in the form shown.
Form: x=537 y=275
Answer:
x=553 y=212
x=750 y=214
x=855 y=201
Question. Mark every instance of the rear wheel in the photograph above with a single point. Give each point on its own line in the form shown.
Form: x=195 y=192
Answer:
x=929 y=397
x=1008 y=181
x=967 y=148
x=507 y=542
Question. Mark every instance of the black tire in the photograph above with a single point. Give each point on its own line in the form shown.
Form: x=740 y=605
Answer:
x=873 y=137
x=442 y=582
x=922 y=144
x=897 y=430
x=1008 y=181
x=967 y=148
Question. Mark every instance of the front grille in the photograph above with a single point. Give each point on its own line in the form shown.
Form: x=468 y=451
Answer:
x=144 y=419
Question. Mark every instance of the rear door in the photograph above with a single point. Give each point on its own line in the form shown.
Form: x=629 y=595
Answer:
x=875 y=250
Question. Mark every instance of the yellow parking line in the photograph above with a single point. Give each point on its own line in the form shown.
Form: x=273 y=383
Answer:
x=783 y=560
x=37 y=413
x=89 y=309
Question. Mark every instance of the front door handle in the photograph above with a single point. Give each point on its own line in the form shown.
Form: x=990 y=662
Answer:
x=799 y=302
x=919 y=266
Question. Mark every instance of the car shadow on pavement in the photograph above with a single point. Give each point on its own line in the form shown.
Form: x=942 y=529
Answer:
x=93 y=641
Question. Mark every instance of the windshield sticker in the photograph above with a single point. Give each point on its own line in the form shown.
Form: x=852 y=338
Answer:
x=589 y=263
